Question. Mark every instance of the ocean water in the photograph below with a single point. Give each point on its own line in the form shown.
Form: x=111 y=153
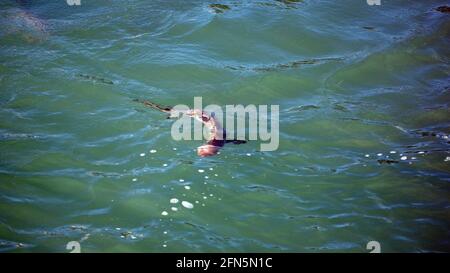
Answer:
x=364 y=120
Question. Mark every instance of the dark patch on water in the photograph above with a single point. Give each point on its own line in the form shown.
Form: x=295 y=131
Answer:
x=103 y=174
x=219 y=8
x=195 y=226
x=340 y=108
x=427 y=133
x=387 y=161
x=258 y=188
x=126 y=234
x=95 y=79
x=432 y=134
x=289 y=3
x=236 y=141
x=443 y=9
x=306 y=107
x=285 y=66
x=235 y=67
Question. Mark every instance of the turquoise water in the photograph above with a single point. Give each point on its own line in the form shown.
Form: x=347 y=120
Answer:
x=354 y=83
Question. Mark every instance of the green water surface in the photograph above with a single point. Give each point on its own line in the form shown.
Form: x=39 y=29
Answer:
x=352 y=81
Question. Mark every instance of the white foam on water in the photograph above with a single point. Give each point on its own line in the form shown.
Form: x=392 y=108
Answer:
x=248 y=154
x=187 y=205
x=379 y=154
x=164 y=213
x=403 y=158
x=165 y=165
x=173 y=201
x=174 y=208
x=174 y=149
x=211 y=169
x=216 y=174
x=201 y=171
x=165 y=232
x=211 y=195
x=164 y=245
x=187 y=187
x=447 y=159
x=134 y=179
x=142 y=154
x=153 y=151
x=206 y=177
x=204 y=197
x=181 y=180
x=367 y=155
x=393 y=152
